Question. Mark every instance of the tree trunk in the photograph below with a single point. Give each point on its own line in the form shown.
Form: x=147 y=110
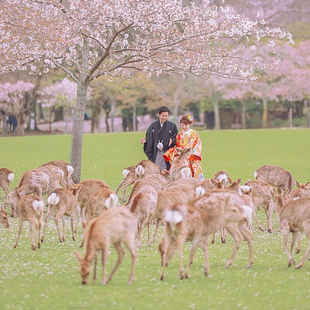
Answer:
x=243 y=113
x=59 y=114
x=77 y=133
x=265 y=113
x=113 y=105
x=216 y=110
x=107 y=120
x=290 y=117
x=78 y=121
x=95 y=119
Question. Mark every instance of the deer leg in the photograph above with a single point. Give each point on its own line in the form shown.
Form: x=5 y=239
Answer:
x=165 y=249
x=246 y=233
x=223 y=235
x=72 y=228
x=34 y=235
x=298 y=242
x=234 y=231
x=148 y=231
x=121 y=254
x=105 y=253
x=63 y=227
x=213 y=238
x=191 y=257
x=294 y=236
x=180 y=242
x=307 y=230
x=285 y=233
x=33 y=245
x=48 y=216
x=57 y=226
x=129 y=242
x=95 y=267
x=257 y=221
x=158 y=222
x=204 y=246
x=269 y=217
x=21 y=222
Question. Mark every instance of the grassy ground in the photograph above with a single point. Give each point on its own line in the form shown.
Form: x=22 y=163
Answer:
x=48 y=278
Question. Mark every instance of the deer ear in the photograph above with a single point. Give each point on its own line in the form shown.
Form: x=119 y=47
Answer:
x=78 y=255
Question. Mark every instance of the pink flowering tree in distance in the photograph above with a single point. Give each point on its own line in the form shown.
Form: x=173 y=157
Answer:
x=16 y=98
x=60 y=93
x=290 y=81
x=91 y=38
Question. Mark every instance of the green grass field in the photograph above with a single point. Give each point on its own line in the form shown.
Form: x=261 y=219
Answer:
x=48 y=278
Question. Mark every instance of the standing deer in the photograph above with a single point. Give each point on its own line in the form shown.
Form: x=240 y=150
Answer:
x=129 y=177
x=168 y=196
x=294 y=217
x=61 y=202
x=146 y=167
x=65 y=167
x=158 y=181
x=190 y=223
x=28 y=208
x=41 y=180
x=143 y=206
x=261 y=193
x=275 y=176
x=6 y=177
x=116 y=226
x=83 y=191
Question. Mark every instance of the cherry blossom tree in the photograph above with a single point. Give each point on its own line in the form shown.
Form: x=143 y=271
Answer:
x=91 y=38
x=288 y=82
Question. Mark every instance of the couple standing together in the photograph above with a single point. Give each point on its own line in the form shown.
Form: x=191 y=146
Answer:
x=162 y=139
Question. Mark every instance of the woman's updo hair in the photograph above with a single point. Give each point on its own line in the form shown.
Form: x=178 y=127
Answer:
x=187 y=120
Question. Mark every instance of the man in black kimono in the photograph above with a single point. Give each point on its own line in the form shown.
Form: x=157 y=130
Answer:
x=160 y=136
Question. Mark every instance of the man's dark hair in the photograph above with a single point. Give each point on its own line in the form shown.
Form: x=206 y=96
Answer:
x=163 y=109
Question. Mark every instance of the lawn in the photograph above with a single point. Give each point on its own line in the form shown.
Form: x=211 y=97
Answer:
x=48 y=278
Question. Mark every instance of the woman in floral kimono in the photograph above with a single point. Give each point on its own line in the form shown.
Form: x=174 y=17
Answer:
x=188 y=137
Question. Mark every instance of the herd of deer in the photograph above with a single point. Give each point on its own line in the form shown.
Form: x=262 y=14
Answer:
x=190 y=210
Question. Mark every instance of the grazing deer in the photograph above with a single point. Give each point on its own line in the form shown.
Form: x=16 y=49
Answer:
x=262 y=198
x=179 y=167
x=190 y=223
x=294 y=217
x=298 y=192
x=181 y=193
x=41 y=180
x=146 y=167
x=83 y=191
x=223 y=177
x=275 y=176
x=191 y=182
x=4 y=217
x=61 y=202
x=6 y=177
x=156 y=180
x=99 y=202
x=116 y=226
x=29 y=208
x=143 y=206
x=102 y=200
x=65 y=167
x=214 y=201
x=129 y=177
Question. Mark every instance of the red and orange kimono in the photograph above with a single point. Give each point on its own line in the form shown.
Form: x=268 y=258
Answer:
x=189 y=138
